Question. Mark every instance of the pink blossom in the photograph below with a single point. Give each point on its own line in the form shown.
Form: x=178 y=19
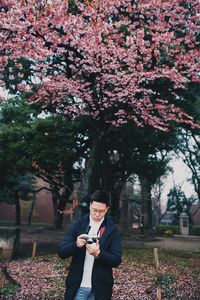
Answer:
x=94 y=54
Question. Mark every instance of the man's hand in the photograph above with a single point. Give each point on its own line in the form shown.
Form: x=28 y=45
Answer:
x=81 y=241
x=93 y=249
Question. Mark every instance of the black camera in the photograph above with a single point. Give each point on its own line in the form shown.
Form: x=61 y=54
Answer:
x=90 y=239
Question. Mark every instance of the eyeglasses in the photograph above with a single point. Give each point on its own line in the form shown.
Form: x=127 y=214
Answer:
x=96 y=211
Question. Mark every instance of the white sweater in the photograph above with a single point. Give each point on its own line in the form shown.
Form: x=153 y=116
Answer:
x=89 y=259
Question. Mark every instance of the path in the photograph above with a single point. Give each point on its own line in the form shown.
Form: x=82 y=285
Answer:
x=48 y=239
x=177 y=242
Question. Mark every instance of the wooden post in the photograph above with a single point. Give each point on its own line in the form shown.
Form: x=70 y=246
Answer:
x=1 y=254
x=158 y=290
x=34 y=250
x=2 y=280
x=156 y=258
x=2 y=276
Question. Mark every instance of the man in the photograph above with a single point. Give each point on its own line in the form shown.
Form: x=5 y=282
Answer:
x=94 y=243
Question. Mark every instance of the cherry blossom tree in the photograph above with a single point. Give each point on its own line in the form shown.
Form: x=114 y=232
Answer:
x=113 y=60
x=106 y=58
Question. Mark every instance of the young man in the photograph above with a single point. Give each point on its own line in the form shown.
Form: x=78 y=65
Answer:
x=94 y=243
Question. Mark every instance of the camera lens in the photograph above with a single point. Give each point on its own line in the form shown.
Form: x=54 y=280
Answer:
x=90 y=242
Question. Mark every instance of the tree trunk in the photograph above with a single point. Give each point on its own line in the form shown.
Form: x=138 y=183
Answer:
x=130 y=215
x=115 y=206
x=123 y=216
x=110 y=185
x=91 y=177
x=61 y=206
x=31 y=210
x=146 y=205
x=59 y=203
x=55 y=208
x=17 y=210
x=116 y=190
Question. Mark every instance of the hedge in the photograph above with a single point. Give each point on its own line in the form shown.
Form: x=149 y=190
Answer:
x=161 y=229
x=195 y=230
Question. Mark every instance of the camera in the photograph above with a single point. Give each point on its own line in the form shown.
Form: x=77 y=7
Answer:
x=90 y=239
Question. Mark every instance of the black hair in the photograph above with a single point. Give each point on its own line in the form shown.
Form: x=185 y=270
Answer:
x=100 y=196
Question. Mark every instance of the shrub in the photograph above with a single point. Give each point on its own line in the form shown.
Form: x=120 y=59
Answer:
x=195 y=230
x=161 y=229
x=165 y=281
x=168 y=233
x=8 y=290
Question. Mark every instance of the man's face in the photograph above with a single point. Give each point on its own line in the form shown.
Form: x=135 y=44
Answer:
x=98 y=210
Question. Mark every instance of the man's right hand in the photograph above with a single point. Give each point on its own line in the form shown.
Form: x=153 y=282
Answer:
x=81 y=241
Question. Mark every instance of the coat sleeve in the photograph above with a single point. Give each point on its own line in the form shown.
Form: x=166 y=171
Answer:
x=111 y=256
x=67 y=246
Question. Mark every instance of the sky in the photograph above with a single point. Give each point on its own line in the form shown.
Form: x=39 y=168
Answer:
x=181 y=174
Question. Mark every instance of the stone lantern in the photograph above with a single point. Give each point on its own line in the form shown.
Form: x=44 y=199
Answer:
x=184 y=223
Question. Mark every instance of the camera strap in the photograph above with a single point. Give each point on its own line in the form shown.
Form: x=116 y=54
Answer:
x=100 y=231
x=88 y=229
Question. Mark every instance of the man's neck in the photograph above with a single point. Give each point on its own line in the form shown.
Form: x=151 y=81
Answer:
x=94 y=222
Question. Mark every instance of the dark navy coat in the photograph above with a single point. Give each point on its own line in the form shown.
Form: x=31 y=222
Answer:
x=110 y=256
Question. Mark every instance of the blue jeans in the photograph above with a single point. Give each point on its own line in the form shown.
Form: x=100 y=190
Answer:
x=84 y=294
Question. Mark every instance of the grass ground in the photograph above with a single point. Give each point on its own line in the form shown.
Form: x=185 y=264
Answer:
x=179 y=275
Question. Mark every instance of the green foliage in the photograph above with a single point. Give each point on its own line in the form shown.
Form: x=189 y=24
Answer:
x=8 y=290
x=141 y=151
x=16 y=72
x=15 y=185
x=178 y=202
x=165 y=281
x=162 y=229
x=15 y=126
x=27 y=135
x=195 y=230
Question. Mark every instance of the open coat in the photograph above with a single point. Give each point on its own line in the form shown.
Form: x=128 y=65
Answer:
x=110 y=256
